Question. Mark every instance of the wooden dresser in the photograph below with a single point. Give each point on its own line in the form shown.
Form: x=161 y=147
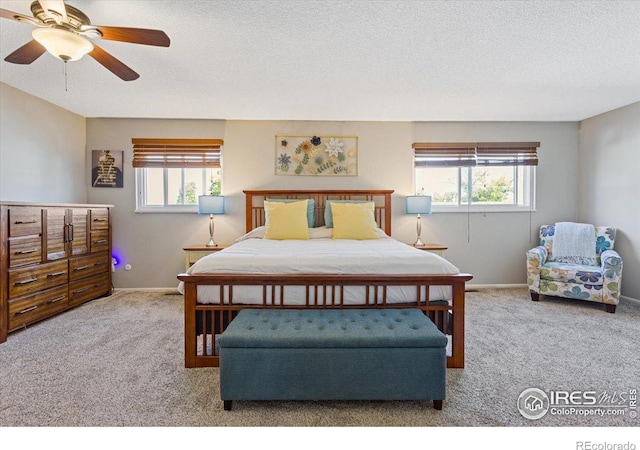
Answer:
x=52 y=257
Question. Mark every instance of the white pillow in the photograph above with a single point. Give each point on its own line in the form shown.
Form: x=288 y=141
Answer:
x=320 y=233
x=314 y=233
x=256 y=233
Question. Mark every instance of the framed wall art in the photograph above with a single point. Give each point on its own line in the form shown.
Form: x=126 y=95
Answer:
x=106 y=168
x=317 y=155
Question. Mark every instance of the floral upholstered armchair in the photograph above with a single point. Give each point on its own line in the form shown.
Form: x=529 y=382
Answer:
x=596 y=281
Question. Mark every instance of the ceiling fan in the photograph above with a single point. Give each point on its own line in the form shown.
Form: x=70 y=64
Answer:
x=65 y=32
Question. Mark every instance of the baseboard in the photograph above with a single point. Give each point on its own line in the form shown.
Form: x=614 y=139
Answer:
x=494 y=286
x=148 y=289
x=469 y=287
x=629 y=299
x=503 y=286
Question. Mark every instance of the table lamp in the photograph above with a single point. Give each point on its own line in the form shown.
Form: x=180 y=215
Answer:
x=418 y=204
x=212 y=205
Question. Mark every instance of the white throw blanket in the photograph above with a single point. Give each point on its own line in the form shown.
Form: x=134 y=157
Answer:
x=576 y=240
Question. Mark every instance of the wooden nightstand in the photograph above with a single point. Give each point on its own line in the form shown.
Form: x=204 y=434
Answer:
x=195 y=252
x=433 y=248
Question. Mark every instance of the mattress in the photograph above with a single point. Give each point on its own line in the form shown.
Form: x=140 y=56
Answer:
x=321 y=254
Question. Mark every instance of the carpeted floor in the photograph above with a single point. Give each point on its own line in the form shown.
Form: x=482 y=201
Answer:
x=118 y=361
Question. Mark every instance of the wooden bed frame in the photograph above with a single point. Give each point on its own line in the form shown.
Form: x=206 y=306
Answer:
x=204 y=321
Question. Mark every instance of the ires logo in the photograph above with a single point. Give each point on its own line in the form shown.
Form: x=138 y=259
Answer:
x=573 y=398
x=535 y=403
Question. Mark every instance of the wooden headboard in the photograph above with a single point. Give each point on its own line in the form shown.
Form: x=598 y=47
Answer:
x=255 y=204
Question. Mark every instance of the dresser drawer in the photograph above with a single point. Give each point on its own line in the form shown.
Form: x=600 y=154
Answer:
x=87 y=266
x=25 y=251
x=99 y=241
x=99 y=219
x=29 y=309
x=24 y=221
x=88 y=288
x=37 y=278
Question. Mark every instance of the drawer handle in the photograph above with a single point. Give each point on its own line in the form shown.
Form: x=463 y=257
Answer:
x=25 y=252
x=78 y=269
x=30 y=280
x=99 y=264
x=24 y=222
x=56 y=300
x=99 y=220
x=98 y=285
x=80 y=291
x=24 y=311
x=100 y=241
x=56 y=274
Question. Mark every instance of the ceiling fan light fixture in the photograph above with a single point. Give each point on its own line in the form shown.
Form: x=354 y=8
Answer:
x=63 y=44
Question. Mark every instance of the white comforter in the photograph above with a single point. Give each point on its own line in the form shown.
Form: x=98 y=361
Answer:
x=320 y=256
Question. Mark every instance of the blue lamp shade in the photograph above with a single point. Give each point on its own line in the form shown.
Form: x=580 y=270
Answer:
x=210 y=204
x=418 y=204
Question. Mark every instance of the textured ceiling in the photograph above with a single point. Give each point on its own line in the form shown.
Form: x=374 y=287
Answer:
x=349 y=60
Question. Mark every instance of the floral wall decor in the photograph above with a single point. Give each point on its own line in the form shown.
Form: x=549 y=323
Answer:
x=317 y=155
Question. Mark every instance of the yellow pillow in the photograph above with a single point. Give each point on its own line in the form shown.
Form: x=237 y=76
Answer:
x=286 y=220
x=354 y=221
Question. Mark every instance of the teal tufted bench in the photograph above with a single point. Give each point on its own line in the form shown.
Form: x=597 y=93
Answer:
x=332 y=354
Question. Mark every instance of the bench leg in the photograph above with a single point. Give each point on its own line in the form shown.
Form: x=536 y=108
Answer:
x=535 y=296
x=227 y=405
x=437 y=404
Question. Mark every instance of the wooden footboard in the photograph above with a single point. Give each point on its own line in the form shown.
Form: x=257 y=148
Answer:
x=205 y=321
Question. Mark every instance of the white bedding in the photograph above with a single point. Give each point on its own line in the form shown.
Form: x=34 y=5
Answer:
x=320 y=255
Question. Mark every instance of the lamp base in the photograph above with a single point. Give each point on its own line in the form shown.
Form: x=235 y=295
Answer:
x=418 y=242
x=211 y=242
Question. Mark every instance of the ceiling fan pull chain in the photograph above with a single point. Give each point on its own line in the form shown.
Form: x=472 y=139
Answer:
x=65 y=76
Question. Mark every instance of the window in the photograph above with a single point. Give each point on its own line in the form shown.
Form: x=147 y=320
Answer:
x=172 y=173
x=497 y=176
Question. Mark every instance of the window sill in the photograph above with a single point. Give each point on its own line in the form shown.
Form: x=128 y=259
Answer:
x=480 y=209
x=167 y=210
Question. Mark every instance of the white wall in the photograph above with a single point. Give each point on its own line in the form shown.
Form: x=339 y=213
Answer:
x=42 y=150
x=153 y=243
x=609 y=194
x=492 y=246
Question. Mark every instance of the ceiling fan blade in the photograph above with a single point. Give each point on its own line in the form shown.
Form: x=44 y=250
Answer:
x=26 y=54
x=56 y=9
x=113 y=64
x=132 y=35
x=6 y=14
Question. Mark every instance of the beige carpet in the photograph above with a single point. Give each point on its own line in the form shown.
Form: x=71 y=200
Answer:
x=118 y=361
